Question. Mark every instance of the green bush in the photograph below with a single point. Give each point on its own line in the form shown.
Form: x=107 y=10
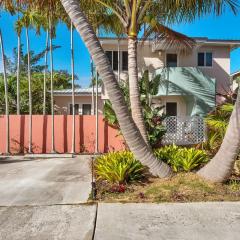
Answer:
x=119 y=167
x=182 y=159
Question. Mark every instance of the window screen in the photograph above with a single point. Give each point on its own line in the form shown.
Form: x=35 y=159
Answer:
x=125 y=61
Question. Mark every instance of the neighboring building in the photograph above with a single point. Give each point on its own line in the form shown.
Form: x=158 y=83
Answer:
x=83 y=101
x=189 y=81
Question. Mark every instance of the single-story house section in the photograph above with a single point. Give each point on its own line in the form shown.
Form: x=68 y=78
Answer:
x=84 y=103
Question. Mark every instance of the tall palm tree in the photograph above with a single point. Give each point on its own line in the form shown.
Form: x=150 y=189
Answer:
x=6 y=95
x=45 y=73
x=128 y=127
x=51 y=80
x=93 y=84
x=18 y=28
x=73 y=90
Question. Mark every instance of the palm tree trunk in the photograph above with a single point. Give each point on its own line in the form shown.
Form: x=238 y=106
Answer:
x=93 y=91
x=134 y=93
x=30 y=93
x=96 y=144
x=6 y=95
x=51 y=73
x=45 y=74
x=73 y=91
x=18 y=75
x=220 y=167
x=131 y=133
x=118 y=60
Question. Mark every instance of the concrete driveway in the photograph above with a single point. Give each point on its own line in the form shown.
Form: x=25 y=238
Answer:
x=44 y=200
x=45 y=181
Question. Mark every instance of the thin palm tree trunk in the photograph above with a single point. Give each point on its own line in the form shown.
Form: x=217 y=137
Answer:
x=73 y=91
x=221 y=166
x=131 y=133
x=30 y=94
x=18 y=75
x=118 y=60
x=93 y=91
x=6 y=96
x=45 y=74
x=96 y=144
x=134 y=93
x=51 y=73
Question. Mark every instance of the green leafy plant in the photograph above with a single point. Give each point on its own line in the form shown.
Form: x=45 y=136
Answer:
x=182 y=158
x=217 y=122
x=119 y=167
x=153 y=116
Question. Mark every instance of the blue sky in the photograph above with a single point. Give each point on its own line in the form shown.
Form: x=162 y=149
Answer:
x=226 y=26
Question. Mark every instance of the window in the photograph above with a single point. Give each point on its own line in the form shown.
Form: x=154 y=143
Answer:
x=86 y=109
x=76 y=109
x=113 y=58
x=205 y=59
x=171 y=109
x=171 y=60
x=125 y=61
x=208 y=59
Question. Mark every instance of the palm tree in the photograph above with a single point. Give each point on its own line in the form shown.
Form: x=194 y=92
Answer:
x=6 y=96
x=18 y=28
x=220 y=167
x=73 y=90
x=45 y=73
x=128 y=127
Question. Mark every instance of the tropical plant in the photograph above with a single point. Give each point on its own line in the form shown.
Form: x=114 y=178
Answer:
x=153 y=117
x=217 y=122
x=182 y=159
x=119 y=167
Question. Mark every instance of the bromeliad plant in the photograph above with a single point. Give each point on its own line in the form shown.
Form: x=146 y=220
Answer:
x=182 y=158
x=119 y=168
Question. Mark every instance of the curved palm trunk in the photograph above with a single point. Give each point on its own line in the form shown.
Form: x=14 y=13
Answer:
x=45 y=74
x=220 y=167
x=18 y=75
x=51 y=73
x=73 y=91
x=134 y=93
x=6 y=95
x=128 y=127
x=30 y=94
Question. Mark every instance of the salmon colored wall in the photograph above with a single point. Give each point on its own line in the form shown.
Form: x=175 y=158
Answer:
x=109 y=139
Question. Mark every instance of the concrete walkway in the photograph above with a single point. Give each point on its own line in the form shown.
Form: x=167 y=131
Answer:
x=44 y=200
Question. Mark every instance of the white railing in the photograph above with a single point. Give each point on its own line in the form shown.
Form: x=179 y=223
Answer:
x=184 y=130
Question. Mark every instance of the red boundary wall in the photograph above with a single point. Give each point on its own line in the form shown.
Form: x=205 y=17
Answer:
x=109 y=139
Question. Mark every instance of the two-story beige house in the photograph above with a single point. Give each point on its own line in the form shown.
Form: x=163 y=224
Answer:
x=190 y=82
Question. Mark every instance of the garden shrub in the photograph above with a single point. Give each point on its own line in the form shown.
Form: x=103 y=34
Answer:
x=182 y=158
x=119 y=167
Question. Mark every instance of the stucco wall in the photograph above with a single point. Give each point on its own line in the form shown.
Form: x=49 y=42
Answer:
x=85 y=134
x=62 y=103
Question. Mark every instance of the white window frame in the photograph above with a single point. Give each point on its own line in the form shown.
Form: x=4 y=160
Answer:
x=205 y=54
x=121 y=59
